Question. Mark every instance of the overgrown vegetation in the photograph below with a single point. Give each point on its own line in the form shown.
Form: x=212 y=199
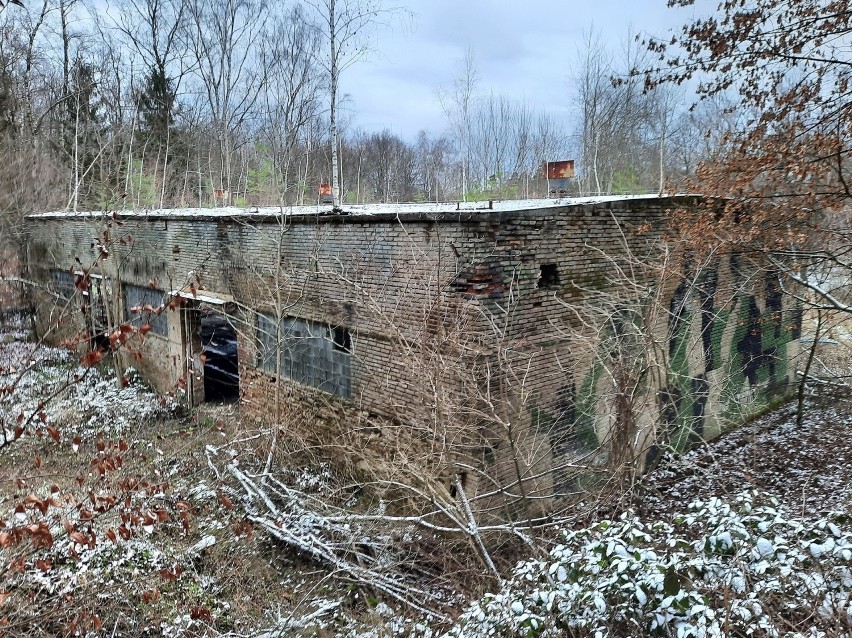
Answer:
x=738 y=567
x=210 y=544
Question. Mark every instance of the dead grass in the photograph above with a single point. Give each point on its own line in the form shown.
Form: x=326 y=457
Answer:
x=150 y=583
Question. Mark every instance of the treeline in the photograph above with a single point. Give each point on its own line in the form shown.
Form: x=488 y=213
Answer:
x=164 y=103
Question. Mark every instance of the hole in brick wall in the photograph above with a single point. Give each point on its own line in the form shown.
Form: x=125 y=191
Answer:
x=549 y=275
x=483 y=281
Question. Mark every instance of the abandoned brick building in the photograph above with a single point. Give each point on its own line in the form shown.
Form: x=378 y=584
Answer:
x=530 y=329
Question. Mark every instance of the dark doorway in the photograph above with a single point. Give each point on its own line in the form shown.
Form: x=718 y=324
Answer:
x=219 y=348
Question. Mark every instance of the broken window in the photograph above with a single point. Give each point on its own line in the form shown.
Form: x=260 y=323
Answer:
x=145 y=305
x=342 y=340
x=63 y=284
x=549 y=276
x=95 y=294
x=91 y=302
x=312 y=353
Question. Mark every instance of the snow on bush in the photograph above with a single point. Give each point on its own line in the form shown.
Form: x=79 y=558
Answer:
x=744 y=568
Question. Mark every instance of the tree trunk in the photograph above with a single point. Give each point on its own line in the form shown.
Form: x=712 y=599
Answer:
x=332 y=27
x=800 y=394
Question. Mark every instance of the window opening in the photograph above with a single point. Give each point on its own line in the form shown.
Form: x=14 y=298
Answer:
x=91 y=301
x=342 y=340
x=307 y=352
x=63 y=284
x=548 y=276
x=145 y=305
x=95 y=308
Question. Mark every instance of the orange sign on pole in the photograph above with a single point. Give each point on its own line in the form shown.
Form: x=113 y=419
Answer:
x=560 y=170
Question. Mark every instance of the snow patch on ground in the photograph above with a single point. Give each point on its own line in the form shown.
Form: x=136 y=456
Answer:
x=749 y=545
x=85 y=400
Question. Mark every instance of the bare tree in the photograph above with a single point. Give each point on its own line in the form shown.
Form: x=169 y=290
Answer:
x=346 y=26
x=432 y=163
x=155 y=29
x=625 y=127
x=292 y=92
x=229 y=75
x=458 y=102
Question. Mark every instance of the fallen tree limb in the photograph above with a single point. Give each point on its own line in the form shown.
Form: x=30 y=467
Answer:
x=366 y=556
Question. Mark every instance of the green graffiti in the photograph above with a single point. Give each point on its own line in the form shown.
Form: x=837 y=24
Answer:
x=584 y=425
x=734 y=371
x=720 y=321
x=542 y=420
x=769 y=362
x=679 y=390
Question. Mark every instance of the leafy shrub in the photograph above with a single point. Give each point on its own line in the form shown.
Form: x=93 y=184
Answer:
x=722 y=569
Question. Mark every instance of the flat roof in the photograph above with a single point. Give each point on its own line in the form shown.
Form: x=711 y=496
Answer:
x=412 y=211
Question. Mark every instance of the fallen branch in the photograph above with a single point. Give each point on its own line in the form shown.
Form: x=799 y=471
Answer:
x=340 y=542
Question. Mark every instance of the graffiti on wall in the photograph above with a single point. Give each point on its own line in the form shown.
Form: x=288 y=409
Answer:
x=731 y=352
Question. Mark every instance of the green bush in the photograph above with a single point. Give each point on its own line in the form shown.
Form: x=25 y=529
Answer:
x=743 y=568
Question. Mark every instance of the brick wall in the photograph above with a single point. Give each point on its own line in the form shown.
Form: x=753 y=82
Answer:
x=451 y=311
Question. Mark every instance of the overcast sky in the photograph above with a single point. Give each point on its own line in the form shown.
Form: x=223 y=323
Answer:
x=524 y=49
